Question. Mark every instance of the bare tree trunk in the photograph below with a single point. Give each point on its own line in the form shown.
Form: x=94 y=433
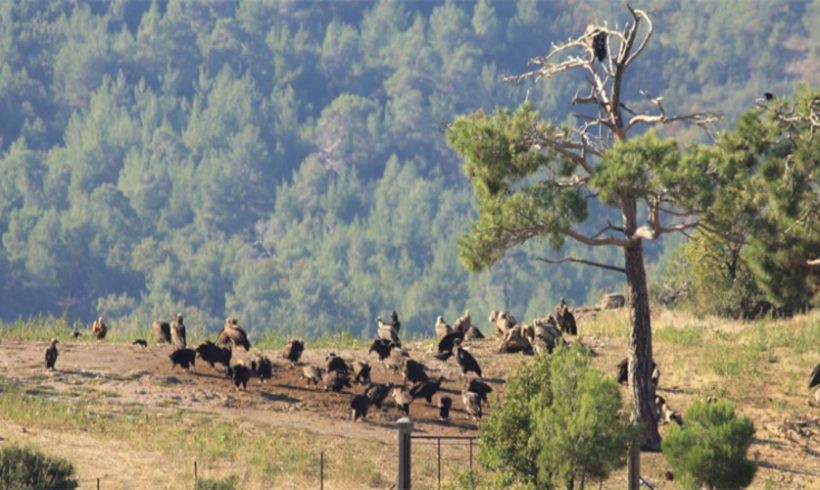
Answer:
x=640 y=340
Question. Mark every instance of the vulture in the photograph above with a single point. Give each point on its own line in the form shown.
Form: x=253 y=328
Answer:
x=623 y=372
x=599 y=45
x=394 y=322
x=51 y=354
x=426 y=389
x=414 y=371
x=99 y=329
x=178 y=332
x=241 y=375
x=387 y=331
x=336 y=363
x=336 y=380
x=515 y=341
x=472 y=404
x=444 y=404
x=162 y=331
x=212 y=353
x=293 y=351
x=359 y=405
x=466 y=361
x=503 y=322
x=382 y=348
x=442 y=329
x=402 y=399
x=75 y=334
x=234 y=334
x=769 y=96
x=361 y=372
x=446 y=344
x=666 y=414
x=396 y=359
x=463 y=323
x=262 y=368
x=312 y=374
x=183 y=357
x=473 y=333
x=140 y=342
x=566 y=320
x=480 y=388
x=814 y=380
x=377 y=393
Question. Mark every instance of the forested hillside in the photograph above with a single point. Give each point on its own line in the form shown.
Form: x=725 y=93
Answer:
x=284 y=162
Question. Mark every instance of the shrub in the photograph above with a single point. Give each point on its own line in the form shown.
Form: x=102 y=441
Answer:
x=227 y=483
x=559 y=424
x=710 y=449
x=22 y=468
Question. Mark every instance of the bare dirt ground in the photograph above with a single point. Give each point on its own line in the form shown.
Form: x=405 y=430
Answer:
x=123 y=375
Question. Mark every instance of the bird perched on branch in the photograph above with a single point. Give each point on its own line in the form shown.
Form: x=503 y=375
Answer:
x=596 y=37
x=51 y=354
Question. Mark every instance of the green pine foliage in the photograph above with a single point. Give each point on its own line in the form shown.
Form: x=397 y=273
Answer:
x=22 y=468
x=558 y=425
x=710 y=449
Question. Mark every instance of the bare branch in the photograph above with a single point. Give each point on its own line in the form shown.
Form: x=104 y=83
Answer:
x=583 y=261
x=597 y=242
x=635 y=14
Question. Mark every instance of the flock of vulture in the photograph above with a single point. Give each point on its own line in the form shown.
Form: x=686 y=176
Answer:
x=540 y=336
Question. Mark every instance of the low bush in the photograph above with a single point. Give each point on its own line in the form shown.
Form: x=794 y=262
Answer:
x=23 y=468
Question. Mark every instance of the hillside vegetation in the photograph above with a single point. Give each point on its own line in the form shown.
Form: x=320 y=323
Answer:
x=284 y=162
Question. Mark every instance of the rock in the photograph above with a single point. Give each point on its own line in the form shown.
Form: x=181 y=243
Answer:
x=613 y=301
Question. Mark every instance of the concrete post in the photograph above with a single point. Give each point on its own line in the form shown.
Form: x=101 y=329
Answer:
x=405 y=427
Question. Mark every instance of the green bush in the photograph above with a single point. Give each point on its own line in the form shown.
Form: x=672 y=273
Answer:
x=710 y=449
x=558 y=425
x=22 y=468
x=228 y=483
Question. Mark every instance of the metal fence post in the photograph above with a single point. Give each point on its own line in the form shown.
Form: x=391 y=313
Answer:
x=195 y=473
x=439 y=463
x=471 y=454
x=98 y=484
x=405 y=427
x=322 y=471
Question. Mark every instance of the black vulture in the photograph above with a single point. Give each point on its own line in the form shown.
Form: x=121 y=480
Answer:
x=473 y=333
x=178 y=332
x=394 y=321
x=262 y=368
x=234 y=334
x=444 y=404
x=466 y=361
x=599 y=45
x=312 y=374
x=395 y=360
x=769 y=96
x=472 y=404
x=446 y=344
x=99 y=328
x=293 y=351
x=814 y=380
x=183 y=357
x=623 y=372
x=478 y=387
x=336 y=363
x=51 y=354
x=75 y=334
x=336 y=380
x=402 y=399
x=359 y=405
x=426 y=389
x=162 y=332
x=212 y=353
x=377 y=393
x=361 y=372
x=382 y=348
x=241 y=375
x=140 y=342
x=414 y=371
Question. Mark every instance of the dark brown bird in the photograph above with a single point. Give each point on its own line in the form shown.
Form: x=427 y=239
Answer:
x=472 y=404
x=241 y=375
x=183 y=357
x=466 y=361
x=426 y=389
x=234 y=334
x=262 y=368
x=162 y=331
x=212 y=354
x=478 y=387
x=377 y=393
x=336 y=363
x=361 y=372
x=178 y=333
x=293 y=351
x=414 y=371
x=51 y=354
x=336 y=380
x=623 y=372
x=382 y=348
x=814 y=380
x=599 y=45
x=447 y=343
x=140 y=342
x=444 y=405
x=359 y=405
x=99 y=328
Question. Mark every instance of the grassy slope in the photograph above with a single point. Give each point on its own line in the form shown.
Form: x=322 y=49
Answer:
x=761 y=366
